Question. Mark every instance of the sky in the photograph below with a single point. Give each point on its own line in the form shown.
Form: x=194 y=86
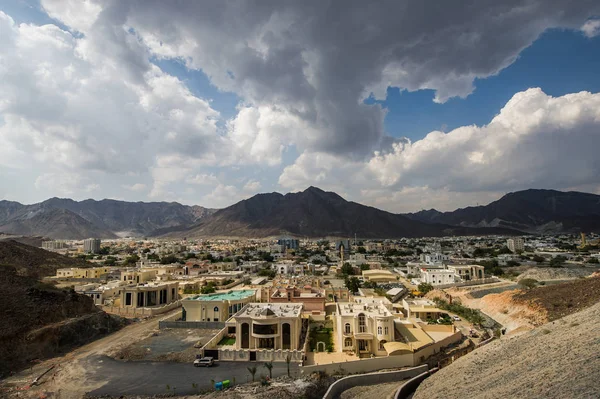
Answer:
x=402 y=105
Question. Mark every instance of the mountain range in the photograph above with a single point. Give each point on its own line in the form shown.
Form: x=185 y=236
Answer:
x=531 y=211
x=310 y=213
x=316 y=213
x=61 y=218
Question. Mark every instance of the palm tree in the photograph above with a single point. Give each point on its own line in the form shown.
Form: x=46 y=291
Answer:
x=269 y=366
x=288 y=359
x=252 y=371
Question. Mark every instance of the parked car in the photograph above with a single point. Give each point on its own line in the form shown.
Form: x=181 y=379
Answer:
x=456 y=318
x=205 y=361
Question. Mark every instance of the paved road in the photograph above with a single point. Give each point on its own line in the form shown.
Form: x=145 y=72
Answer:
x=152 y=378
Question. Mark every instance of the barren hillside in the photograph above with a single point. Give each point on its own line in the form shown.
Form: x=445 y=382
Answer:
x=557 y=360
x=35 y=262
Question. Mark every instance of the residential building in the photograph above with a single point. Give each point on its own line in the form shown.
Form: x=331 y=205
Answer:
x=101 y=294
x=362 y=328
x=437 y=276
x=83 y=272
x=91 y=245
x=268 y=326
x=312 y=298
x=149 y=295
x=467 y=272
x=216 y=307
x=54 y=245
x=515 y=244
x=379 y=276
x=138 y=276
x=423 y=309
x=434 y=258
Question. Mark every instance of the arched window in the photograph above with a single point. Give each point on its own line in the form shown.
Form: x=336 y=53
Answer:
x=347 y=342
x=379 y=330
x=216 y=309
x=347 y=328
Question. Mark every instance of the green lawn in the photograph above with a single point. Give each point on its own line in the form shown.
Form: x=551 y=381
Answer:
x=227 y=341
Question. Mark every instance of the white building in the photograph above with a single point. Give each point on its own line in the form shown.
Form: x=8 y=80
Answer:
x=434 y=258
x=362 y=328
x=515 y=244
x=437 y=276
x=467 y=272
x=268 y=326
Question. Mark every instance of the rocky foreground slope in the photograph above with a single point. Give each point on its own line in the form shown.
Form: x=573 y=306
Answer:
x=557 y=360
x=38 y=320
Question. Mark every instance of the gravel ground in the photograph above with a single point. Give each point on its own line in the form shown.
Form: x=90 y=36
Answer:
x=177 y=344
x=379 y=391
x=557 y=360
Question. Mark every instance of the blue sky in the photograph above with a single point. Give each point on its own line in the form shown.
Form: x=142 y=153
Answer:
x=559 y=62
x=283 y=110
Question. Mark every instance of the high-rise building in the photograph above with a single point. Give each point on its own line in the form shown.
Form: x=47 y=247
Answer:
x=91 y=245
x=515 y=244
x=288 y=243
x=54 y=245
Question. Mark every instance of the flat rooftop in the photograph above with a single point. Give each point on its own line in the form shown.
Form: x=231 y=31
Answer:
x=371 y=309
x=223 y=296
x=260 y=310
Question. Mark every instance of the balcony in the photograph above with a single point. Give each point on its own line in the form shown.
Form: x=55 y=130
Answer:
x=363 y=333
x=265 y=331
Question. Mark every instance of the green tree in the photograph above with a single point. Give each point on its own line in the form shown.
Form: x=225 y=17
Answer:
x=352 y=283
x=425 y=288
x=347 y=269
x=557 y=261
x=208 y=288
x=538 y=259
x=504 y=250
x=370 y=284
x=361 y=250
x=131 y=260
x=110 y=261
x=512 y=263
x=252 y=371
x=365 y=267
x=267 y=273
x=269 y=367
x=593 y=260
x=165 y=260
x=528 y=283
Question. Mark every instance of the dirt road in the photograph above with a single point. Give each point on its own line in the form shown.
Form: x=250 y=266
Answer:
x=69 y=379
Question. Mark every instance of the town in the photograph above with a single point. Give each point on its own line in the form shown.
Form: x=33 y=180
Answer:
x=332 y=306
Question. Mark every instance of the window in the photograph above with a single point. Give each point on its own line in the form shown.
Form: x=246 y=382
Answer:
x=379 y=330
x=347 y=328
x=347 y=342
x=381 y=345
x=387 y=330
x=216 y=309
x=362 y=323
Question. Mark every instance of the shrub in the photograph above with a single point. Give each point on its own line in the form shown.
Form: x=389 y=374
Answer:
x=528 y=283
